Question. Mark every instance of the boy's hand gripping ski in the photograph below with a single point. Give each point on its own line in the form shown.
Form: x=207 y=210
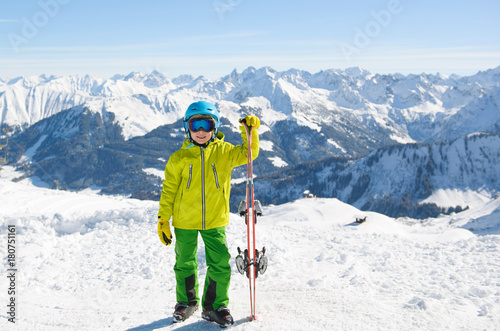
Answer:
x=251 y=261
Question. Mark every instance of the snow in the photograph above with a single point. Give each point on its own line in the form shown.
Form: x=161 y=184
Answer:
x=278 y=162
x=266 y=145
x=456 y=197
x=30 y=152
x=238 y=180
x=336 y=145
x=136 y=116
x=92 y=262
x=154 y=172
x=401 y=140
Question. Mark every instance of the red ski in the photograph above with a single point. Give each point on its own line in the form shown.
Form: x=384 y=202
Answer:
x=252 y=261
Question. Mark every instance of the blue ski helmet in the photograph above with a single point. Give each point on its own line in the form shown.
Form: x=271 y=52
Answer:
x=202 y=108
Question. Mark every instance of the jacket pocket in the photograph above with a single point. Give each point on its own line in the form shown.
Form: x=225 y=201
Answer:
x=190 y=176
x=215 y=175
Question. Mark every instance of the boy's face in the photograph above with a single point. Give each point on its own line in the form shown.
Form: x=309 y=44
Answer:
x=201 y=137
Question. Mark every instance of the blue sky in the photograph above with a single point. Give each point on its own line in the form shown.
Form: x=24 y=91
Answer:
x=213 y=37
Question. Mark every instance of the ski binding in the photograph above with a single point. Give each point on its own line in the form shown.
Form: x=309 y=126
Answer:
x=242 y=209
x=243 y=263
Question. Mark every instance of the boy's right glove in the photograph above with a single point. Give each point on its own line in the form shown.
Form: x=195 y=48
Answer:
x=164 y=232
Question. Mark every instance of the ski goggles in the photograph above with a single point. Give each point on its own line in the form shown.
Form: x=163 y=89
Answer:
x=204 y=124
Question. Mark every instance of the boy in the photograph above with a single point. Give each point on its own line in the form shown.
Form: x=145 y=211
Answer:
x=196 y=195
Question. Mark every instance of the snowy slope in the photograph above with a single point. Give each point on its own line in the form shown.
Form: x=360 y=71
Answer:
x=469 y=163
x=94 y=262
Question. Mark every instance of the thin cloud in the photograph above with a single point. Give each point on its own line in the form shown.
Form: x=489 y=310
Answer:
x=162 y=44
x=3 y=20
x=467 y=52
x=225 y=36
x=403 y=59
x=89 y=48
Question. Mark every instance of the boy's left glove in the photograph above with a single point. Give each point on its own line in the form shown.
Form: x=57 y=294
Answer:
x=251 y=121
x=164 y=232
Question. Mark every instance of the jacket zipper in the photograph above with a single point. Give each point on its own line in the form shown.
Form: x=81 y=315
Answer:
x=190 y=176
x=215 y=174
x=203 y=187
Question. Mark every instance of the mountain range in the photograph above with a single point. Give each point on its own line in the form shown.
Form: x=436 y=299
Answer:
x=386 y=143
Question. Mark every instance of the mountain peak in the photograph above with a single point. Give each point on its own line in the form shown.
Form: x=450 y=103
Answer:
x=183 y=80
x=155 y=79
x=357 y=72
x=118 y=77
x=135 y=76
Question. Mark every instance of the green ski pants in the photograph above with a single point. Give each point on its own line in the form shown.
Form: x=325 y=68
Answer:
x=186 y=267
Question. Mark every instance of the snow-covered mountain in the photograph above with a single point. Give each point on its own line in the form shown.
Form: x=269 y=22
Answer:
x=116 y=134
x=132 y=98
x=420 y=180
x=90 y=262
x=338 y=104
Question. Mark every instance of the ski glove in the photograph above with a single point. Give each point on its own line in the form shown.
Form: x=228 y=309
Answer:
x=252 y=121
x=164 y=232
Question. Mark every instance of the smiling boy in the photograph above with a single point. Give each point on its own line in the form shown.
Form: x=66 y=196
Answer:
x=196 y=196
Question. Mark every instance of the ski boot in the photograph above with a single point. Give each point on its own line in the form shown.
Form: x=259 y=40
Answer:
x=221 y=316
x=183 y=311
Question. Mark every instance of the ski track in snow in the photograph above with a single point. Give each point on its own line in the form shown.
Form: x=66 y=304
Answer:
x=89 y=262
